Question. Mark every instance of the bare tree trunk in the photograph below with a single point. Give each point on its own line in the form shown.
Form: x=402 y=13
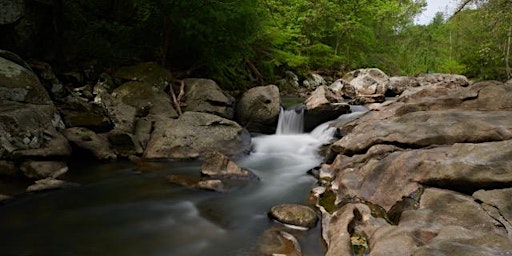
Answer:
x=507 y=54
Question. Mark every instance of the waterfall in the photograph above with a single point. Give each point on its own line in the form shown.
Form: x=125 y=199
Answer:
x=291 y=121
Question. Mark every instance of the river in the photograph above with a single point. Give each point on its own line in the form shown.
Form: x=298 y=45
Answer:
x=124 y=209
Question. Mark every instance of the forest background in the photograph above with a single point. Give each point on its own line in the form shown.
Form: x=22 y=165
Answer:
x=242 y=43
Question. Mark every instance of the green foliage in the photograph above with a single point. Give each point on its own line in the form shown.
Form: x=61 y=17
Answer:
x=240 y=43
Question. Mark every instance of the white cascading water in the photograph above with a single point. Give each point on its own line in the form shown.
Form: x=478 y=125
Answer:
x=291 y=121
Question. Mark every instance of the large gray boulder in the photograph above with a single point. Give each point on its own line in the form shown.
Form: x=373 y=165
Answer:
x=368 y=81
x=204 y=95
x=194 y=134
x=28 y=130
x=17 y=83
x=258 y=109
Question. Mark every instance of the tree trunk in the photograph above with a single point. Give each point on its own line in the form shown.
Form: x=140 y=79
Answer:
x=507 y=54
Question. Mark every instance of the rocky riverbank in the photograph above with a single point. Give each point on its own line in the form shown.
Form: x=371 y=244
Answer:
x=427 y=173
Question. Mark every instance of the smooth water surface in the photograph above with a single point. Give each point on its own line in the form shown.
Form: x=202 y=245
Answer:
x=124 y=209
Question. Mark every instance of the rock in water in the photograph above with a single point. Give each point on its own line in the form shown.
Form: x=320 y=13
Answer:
x=295 y=215
x=194 y=134
x=217 y=165
x=258 y=109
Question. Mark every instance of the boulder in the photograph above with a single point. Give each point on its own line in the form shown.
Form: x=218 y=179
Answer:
x=11 y=11
x=194 y=134
x=398 y=84
x=142 y=95
x=295 y=215
x=444 y=80
x=344 y=88
x=19 y=84
x=43 y=169
x=258 y=109
x=314 y=81
x=323 y=105
x=90 y=143
x=368 y=81
x=289 y=83
x=204 y=95
x=30 y=127
x=217 y=165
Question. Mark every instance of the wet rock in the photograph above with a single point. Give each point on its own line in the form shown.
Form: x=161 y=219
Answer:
x=195 y=133
x=323 y=105
x=43 y=169
x=217 y=165
x=258 y=109
x=278 y=242
x=204 y=95
x=49 y=184
x=295 y=215
x=90 y=142
x=213 y=185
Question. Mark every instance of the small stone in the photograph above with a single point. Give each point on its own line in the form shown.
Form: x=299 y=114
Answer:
x=295 y=215
x=50 y=183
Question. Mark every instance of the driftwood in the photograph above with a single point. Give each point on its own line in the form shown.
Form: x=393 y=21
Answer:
x=177 y=100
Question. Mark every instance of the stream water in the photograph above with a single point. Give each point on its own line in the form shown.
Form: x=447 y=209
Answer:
x=122 y=209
